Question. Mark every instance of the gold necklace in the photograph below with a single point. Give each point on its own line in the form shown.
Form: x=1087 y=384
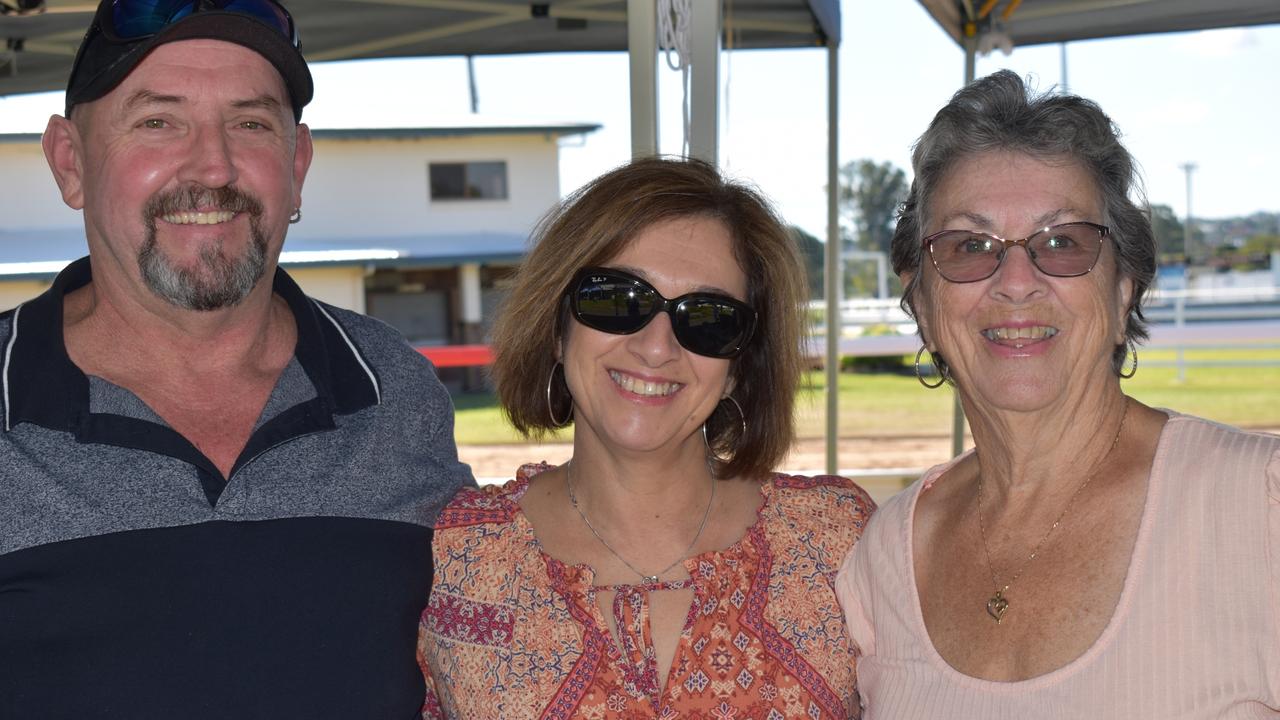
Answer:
x=645 y=579
x=998 y=604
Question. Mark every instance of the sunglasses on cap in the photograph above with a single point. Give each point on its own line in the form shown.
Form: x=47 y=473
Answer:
x=617 y=302
x=123 y=32
x=131 y=20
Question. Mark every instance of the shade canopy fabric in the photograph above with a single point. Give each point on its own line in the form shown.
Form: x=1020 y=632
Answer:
x=1034 y=22
x=40 y=47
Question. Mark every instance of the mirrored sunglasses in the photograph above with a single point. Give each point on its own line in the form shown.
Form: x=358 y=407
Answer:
x=132 y=20
x=617 y=302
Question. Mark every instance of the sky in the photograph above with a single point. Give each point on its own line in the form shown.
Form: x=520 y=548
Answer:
x=1211 y=98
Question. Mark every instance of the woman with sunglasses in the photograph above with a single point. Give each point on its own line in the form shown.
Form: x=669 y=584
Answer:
x=1091 y=557
x=665 y=570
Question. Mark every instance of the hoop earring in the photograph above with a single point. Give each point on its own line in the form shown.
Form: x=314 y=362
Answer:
x=742 y=417
x=1132 y=350
x=296 y=217
x=942 y=376
x=551 y=411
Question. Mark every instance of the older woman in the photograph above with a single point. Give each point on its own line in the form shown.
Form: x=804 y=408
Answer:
x=665 y=570
x=1092 y=557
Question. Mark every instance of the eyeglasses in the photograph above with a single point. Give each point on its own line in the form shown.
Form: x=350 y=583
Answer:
x=1065 y=250
x=132 y=20
x=617 y=302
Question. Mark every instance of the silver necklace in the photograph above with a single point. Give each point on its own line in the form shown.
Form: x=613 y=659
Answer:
x=998 y=604
x=645 y=578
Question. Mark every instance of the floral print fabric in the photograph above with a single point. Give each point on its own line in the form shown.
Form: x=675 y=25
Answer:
x=513 y=633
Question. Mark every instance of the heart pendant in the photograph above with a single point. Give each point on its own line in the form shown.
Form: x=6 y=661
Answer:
x=997 y=606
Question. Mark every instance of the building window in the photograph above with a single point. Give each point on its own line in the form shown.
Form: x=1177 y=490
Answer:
x=468 y=181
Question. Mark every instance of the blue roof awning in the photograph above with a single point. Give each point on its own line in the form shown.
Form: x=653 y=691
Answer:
x=42 y=253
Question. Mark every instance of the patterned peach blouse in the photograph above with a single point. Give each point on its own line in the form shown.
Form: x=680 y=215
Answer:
x=512 y=633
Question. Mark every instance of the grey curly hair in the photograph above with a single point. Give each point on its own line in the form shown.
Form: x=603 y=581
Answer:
x=1000 y=113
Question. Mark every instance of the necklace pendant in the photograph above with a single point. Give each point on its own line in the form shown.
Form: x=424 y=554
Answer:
x=650 y=579
x=997 y=606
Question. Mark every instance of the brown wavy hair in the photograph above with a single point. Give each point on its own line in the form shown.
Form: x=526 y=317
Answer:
x=594 y=225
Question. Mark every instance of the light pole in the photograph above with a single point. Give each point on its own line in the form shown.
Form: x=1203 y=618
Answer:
x=1188 y=168
x=1062 y=52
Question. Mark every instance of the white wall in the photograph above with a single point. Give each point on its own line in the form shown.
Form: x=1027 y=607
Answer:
x=359 y=189
x=379 y=188
x=356 y=188
x=341 y=286
x=15 y=292
x=29 y=197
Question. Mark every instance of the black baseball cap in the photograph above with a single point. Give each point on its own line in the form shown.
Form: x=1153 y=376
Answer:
x=123 y=32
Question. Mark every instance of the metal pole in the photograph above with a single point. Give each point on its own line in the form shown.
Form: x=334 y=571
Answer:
x=1062 y=54
x=957 y=410
x=1188 y=168
x=642 y=44
x=1179 y=321
x=970 y=59
x=1180 y=307
x=471 y=85
x=704 y=81
x=833 y=282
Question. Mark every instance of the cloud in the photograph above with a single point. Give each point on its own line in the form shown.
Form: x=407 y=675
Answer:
x=1180 y=112
x=1219 y=43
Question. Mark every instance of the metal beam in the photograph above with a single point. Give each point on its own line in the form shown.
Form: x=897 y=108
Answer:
x=642 y=47
x=958 y=422
x=833 y=282
x=704 y=82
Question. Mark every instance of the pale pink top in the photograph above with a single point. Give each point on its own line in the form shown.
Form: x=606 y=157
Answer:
x=1196 y=632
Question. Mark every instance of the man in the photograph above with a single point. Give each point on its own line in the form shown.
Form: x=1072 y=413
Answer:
x=215 y=492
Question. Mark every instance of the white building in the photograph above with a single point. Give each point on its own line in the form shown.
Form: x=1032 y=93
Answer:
x=416 y=226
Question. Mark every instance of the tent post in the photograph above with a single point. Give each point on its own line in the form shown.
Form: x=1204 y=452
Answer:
x=970 y=59
x=833 y=283
x=642 y=44
x=704 y=83
x=957 y=413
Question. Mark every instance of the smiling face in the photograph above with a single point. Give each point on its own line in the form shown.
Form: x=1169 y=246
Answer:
x=644 y=392
x=187 y=173
x=1020 y=339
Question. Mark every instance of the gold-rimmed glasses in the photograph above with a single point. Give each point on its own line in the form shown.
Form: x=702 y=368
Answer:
x=1064 y=250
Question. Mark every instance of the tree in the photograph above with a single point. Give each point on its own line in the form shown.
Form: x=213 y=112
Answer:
x=1261 y=245
x=870 y=195
x=1168 y=230
x=813 y=253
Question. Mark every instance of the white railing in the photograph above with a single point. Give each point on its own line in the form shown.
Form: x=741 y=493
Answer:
x=1260 y=293
x=1177 y=306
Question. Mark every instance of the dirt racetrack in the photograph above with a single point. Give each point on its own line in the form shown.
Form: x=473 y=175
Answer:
x=498 y=463
x=859 y=457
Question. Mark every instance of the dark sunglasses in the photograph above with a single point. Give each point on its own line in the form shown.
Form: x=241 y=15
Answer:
x=1065 y=250
x=133 y=20
x=617 y=302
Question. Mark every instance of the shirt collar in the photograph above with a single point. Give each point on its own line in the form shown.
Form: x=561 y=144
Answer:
x=41 y=385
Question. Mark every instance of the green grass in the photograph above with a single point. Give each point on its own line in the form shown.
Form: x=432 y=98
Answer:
x=479 y=421
x=888 y=405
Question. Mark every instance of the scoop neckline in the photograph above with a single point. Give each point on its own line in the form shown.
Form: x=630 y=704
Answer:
x=588 y=573
x=1137 y=561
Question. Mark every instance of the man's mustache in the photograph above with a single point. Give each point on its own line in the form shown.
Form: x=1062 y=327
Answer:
x=192 y=198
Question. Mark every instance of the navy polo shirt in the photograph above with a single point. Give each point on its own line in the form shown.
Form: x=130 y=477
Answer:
x=137 y=582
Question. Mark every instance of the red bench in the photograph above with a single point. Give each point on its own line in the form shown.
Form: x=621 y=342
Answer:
x=443 y=356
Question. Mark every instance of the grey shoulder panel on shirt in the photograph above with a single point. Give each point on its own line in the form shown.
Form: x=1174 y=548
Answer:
x=395 y=460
